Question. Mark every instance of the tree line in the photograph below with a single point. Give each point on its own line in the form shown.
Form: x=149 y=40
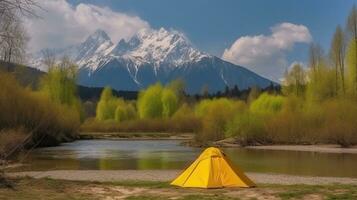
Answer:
x=316 y=103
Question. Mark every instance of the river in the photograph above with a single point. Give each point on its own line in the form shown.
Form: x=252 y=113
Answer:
x=169 y=154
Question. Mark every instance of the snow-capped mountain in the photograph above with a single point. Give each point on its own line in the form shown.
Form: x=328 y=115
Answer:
x=151 y=56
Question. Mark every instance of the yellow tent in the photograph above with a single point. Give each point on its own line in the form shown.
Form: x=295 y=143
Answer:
x=212 y=169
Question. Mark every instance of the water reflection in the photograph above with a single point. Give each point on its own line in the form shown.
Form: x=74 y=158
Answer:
x=115 y=154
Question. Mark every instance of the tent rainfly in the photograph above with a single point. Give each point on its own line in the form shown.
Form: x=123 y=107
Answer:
x=212 y=169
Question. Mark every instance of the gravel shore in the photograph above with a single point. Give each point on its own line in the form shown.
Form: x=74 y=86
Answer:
x=168 y=175
x=310 y=148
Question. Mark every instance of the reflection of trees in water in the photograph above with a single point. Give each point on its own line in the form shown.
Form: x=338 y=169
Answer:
x=250 y=160
x=153 y=160
x=51 y=160
x=294 y=162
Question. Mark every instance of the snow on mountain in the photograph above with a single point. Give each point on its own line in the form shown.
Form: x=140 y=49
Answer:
x=160 y=47
x=151 y=56
x=147 y=46
x=88 y=53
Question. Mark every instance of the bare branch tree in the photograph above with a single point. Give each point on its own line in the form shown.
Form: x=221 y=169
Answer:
x=24 y=7
x=49 y=58
x=11 y=10
x=13 y=44
x=13 y=36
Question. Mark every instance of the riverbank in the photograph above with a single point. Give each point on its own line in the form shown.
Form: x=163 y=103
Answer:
x=27 y=188
x=136 y=136
x=188 y=140
x=168 y=175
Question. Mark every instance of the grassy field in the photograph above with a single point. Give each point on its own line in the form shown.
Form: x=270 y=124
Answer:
x=28 y=188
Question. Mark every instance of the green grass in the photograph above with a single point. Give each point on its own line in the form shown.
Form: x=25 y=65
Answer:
x=187 y=197
x=146 y=184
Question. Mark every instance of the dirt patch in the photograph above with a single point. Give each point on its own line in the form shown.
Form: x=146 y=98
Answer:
x=313 y=197
x=169 y=175
x=113 y=192
x=253 y=193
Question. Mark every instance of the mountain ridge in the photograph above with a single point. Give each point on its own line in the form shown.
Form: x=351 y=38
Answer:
x=152 y=56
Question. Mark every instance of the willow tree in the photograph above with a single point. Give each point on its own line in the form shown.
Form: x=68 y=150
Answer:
x=169 y=102
x=60 y=83
x=295 y=81
x=337 y=54
x=107 y=105
x=321 y=78
x=158 y=101
x=120 y=114
x=149 y=103
x=124 y=111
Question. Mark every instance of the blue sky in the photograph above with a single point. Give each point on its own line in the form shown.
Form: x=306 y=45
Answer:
x=214 y=25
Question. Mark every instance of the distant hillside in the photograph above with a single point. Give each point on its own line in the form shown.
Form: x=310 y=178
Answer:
x=27 y=76
x=30 y=77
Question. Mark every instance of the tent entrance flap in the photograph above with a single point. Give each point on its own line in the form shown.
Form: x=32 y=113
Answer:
x=212 y=169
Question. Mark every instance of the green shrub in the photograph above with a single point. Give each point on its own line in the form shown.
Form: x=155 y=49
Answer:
x=47 y=120
x=247 y=127
x=267 y=104
x=340 y=122
x=215 y=115
x=185 y=120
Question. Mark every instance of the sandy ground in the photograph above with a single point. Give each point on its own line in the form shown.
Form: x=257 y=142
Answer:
x=168 y=175
x=311 y=148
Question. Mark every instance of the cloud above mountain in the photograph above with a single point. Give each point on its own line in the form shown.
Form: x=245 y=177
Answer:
x=266 y=54
x=62 y=24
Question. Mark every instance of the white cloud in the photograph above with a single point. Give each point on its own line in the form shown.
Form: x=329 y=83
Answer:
x=302 y=64
x=62 y=24
x=266 y=54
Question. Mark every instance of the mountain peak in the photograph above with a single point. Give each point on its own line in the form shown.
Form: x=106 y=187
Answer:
x=160 y=35
x=99 y=35
x=160 y=46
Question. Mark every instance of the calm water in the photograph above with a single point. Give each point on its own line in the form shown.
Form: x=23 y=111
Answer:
x=167 y=154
